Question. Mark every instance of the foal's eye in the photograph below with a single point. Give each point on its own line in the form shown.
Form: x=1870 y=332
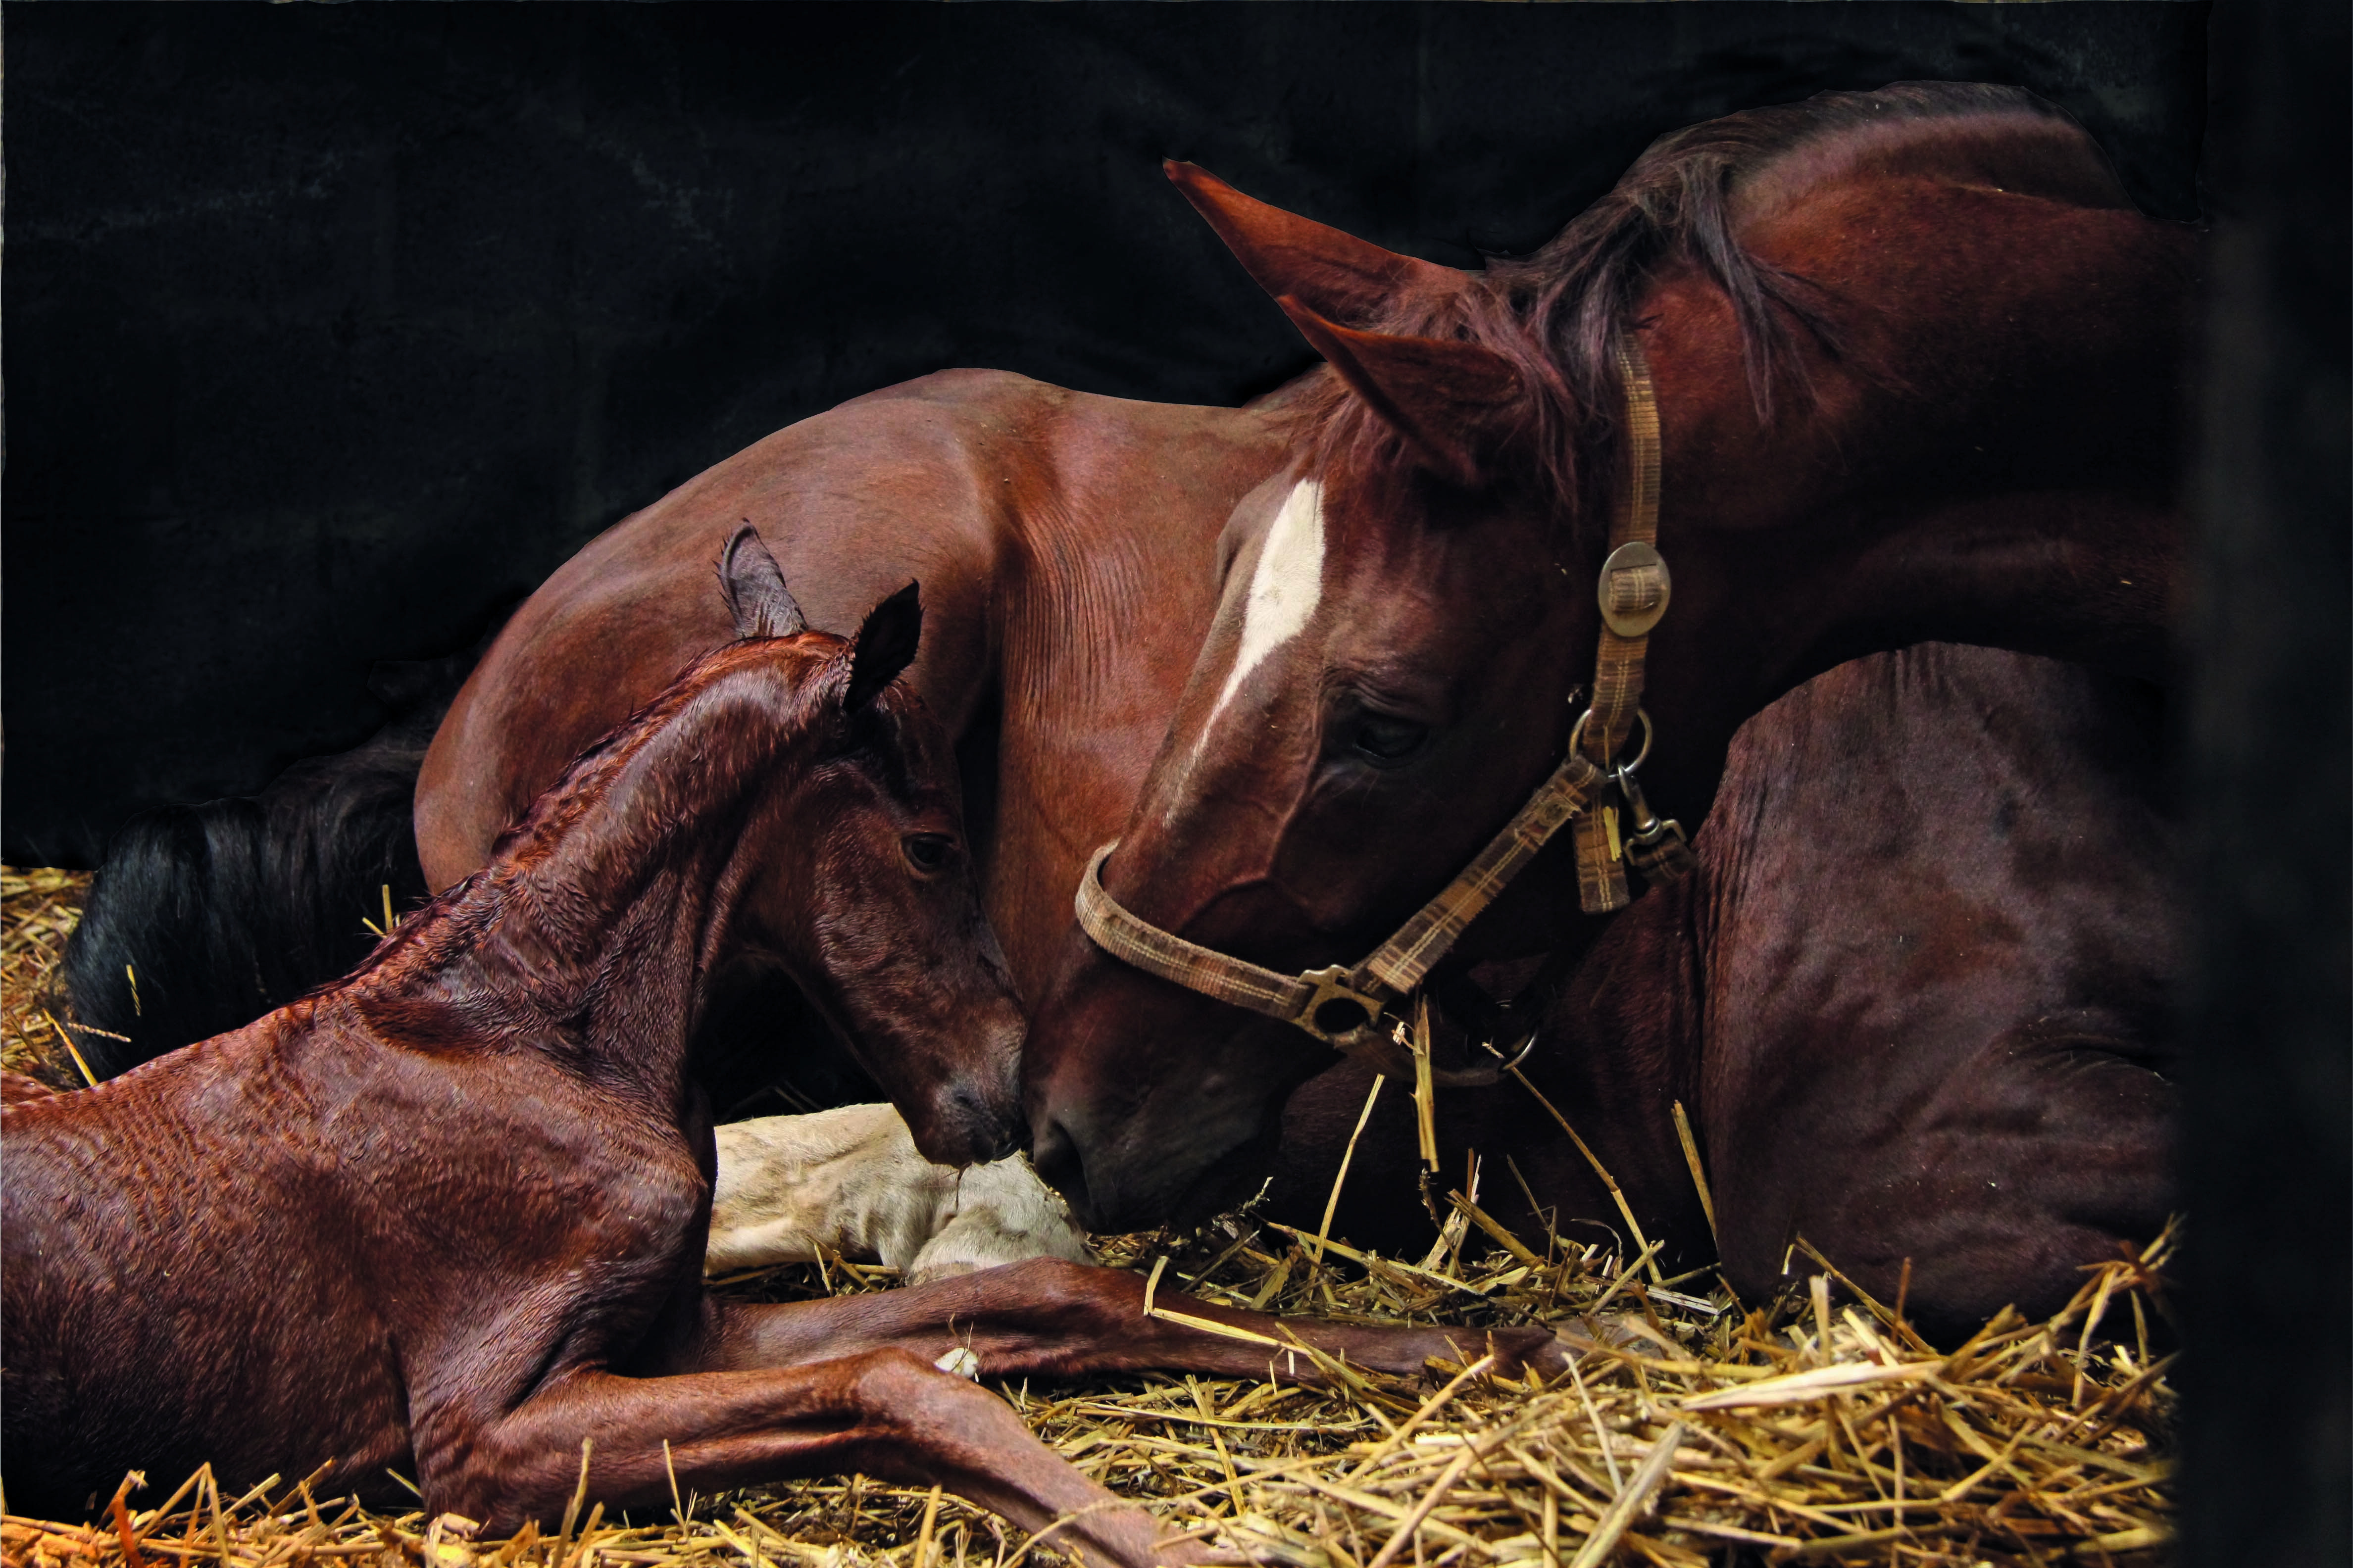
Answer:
x=1384 y=738
x=928 y=852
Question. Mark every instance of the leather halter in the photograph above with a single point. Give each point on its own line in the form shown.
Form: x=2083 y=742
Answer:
x=1346 y=1007
x=1633 y=590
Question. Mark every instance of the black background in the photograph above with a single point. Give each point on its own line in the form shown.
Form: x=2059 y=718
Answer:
x=331 y=331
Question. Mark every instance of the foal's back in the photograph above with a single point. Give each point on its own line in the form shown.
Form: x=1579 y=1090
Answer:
x=466 y=1167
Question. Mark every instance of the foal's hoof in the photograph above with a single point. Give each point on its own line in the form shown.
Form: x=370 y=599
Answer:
x=1617 y=1331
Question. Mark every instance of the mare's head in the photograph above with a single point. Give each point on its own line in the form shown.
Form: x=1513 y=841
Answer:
x=1407 y=608
x=857 y=875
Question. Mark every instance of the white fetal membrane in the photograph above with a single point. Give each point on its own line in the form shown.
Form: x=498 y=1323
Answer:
x=851 y=1181
x=1285 y=586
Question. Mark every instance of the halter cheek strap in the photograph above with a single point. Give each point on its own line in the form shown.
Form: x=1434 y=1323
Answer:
x=1633 y=589
x=1345 y=1007
x=1350 y=1009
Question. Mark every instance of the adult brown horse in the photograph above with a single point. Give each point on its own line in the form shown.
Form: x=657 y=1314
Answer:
x=1943 y=477
x=449 y=1213
x=1075 y=547
x=1916 y=365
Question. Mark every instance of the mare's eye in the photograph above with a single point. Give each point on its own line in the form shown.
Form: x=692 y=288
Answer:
x=928 y=852
x=1383 y=737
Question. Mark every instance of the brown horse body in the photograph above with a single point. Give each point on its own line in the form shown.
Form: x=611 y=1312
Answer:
x=1913 y=1001
x=1972 y=370
x=1067 y=544
x=448 y=1215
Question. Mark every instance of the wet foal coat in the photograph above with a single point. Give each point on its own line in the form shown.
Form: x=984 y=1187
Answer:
x=448 y=1215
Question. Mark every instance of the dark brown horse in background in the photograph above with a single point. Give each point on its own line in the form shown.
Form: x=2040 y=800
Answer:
x=448 y=1215
x=1969 y=344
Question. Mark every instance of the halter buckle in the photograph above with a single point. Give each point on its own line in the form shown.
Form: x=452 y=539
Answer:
x=1633 y=589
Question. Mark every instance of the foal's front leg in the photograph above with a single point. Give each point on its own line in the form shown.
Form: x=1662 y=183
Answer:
x=882 y=1412
x=1047 y=1318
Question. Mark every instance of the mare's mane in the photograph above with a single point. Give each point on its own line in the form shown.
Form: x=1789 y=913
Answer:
x=1556 y=314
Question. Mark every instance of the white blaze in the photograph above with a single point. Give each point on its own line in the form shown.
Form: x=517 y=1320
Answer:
x=1285 y=585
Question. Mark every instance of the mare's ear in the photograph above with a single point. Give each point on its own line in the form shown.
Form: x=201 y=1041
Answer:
x=754 y=587
x=1438 y=394
x=1336 y=274
x=885 y=645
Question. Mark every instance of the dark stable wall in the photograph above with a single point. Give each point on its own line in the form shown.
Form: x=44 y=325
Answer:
x=2266 y=1281
x=331 y=330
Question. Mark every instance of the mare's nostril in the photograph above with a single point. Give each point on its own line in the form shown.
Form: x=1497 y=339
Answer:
x=1055 y=1153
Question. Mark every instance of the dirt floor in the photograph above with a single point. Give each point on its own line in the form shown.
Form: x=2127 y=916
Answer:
x=1814 y=1429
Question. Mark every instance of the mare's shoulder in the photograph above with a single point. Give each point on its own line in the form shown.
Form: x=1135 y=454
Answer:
x=1001 y=399
x=966 y=388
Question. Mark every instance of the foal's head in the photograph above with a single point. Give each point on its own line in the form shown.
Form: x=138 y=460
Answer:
x=856 y=874
x=784 y=799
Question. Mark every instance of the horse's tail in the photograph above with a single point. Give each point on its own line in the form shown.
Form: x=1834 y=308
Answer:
x=203 y=917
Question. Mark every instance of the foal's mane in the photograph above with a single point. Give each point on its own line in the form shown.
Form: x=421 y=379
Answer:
x=784 y=676
x=1558 y=313
x=775 y=672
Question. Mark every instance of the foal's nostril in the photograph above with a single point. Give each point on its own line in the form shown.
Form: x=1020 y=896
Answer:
x=989 y=1132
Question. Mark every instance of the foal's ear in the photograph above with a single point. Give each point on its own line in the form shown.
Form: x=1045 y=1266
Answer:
x=1437 y=392
x=754 y=587
x=1336 y=274
x=885 y=645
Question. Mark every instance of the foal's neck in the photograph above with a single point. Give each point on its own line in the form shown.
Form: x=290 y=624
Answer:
x=591 y=936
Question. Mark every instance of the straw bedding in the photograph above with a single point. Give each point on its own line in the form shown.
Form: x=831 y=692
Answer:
x=1813 y=1428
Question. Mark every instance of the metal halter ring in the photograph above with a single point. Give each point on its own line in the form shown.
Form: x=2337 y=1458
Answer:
x=1332 y=989
x=1517 y=1057
x=1577 y=735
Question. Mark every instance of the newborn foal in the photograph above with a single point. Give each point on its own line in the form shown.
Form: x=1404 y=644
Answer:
x=447 y=1216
